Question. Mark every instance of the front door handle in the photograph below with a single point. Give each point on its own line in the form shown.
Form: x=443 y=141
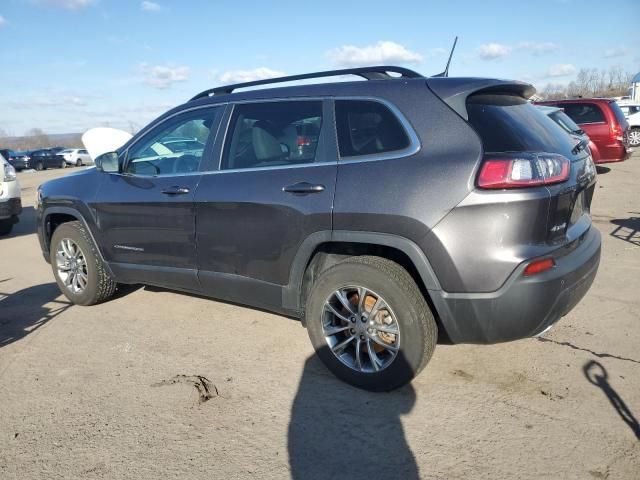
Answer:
x=175 y=190
x=303 y=188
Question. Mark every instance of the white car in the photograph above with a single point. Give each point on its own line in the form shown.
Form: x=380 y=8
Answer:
x=632 y=112
x=10 y=202
x=76 y=157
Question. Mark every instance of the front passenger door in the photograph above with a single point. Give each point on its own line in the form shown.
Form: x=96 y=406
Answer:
x=146 y=213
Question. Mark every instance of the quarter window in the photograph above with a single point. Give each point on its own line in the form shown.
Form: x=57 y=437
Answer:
x=272 y=134
x=367 y=127
x=174 y=147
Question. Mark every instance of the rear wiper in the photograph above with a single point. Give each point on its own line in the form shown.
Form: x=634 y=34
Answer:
x=581 y=145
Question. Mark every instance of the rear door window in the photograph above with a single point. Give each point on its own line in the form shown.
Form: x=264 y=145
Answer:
x=509 y=123
x=583 y=112
x=272 y=134
x=366 y=127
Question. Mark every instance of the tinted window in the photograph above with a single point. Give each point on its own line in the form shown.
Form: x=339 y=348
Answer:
x=615 y=108
x=583 y=112
x=83 y=152
x=565 y=122
x=153 y=155
x=273 y=133
x=511 y=124
x=368 y=128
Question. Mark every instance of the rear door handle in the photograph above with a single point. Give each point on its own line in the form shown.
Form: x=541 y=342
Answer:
x=175 y=190
x=303 y=188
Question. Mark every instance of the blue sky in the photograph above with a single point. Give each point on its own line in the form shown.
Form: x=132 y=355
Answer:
x=69 y=65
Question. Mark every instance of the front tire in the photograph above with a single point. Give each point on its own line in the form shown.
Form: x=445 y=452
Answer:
x=375 y=303
x=39 y=166
x=77 y=267
x=78 y=163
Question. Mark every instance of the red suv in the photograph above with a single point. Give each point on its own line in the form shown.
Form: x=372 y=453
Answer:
x=603 y=121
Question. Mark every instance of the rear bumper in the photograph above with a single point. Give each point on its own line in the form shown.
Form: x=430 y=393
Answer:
x=11 y=207
x=614 y=153
x=523 y=306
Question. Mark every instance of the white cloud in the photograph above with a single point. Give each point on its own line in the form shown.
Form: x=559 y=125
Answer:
x=150 y=6
x=615 y=52
x=538 y=48
x=67 y=4
x=240 y=76
x=561 y=70
x=3 y=21
x=163 y=76
x=493 y=51
x=382 y=52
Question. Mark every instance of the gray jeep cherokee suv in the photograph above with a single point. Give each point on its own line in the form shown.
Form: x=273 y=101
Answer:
x=378 y=212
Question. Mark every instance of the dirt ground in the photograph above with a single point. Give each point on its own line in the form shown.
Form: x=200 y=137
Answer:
x=156 y=384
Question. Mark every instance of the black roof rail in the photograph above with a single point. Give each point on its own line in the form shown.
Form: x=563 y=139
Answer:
x=370 y=73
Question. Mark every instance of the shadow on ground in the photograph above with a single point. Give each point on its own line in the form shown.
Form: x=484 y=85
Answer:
x=598 y=376
x=628 y=229
x=24 y=311
x=337 y=431
x=26 y=225
x=602 y=170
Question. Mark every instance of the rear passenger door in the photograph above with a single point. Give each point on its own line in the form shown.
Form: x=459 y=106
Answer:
x=272 y=188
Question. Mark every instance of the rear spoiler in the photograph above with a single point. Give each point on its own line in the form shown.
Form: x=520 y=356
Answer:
x=455 y=91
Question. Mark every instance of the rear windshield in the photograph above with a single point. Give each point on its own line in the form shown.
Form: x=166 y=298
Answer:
x=565 y=122
x=617 y=111
x=508 y=123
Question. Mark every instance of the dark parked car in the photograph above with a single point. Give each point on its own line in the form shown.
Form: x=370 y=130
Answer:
x=560 y=118
x=46 y=158
x=414 y=205
x=17 y=160
x=603 y=121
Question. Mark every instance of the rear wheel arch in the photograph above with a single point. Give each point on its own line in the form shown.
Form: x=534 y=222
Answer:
x=324 y=249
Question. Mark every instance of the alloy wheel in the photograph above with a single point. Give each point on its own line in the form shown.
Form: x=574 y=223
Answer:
x=361 y=329
x=634 y=137
x=72 y=266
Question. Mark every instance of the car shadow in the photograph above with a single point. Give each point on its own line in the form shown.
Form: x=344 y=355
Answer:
x=602 y=170
x=598 y=376
x=337 y=431
x=627 y=229
x=26 y=225
x=25 y=311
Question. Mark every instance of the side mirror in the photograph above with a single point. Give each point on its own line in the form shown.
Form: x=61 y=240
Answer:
x=108 y=162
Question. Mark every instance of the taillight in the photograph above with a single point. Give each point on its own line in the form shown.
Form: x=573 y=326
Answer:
x=523 y=170
x=539 y=266
x=616 y=131
x=303 y=141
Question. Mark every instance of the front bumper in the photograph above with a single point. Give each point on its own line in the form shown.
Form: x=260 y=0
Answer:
x=11 y=207
x=523 y=306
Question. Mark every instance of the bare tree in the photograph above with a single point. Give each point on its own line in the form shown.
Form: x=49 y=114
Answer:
x=592 y=82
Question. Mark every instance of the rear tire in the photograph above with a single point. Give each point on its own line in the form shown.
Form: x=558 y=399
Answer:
x=6 y=226
x=39 y=166
x=406 y=306
x=78 y=163
x=63 y=164
x=99 y=285
x=634 y=137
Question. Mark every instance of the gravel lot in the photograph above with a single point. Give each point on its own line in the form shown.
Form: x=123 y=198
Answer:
x=156 y=384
